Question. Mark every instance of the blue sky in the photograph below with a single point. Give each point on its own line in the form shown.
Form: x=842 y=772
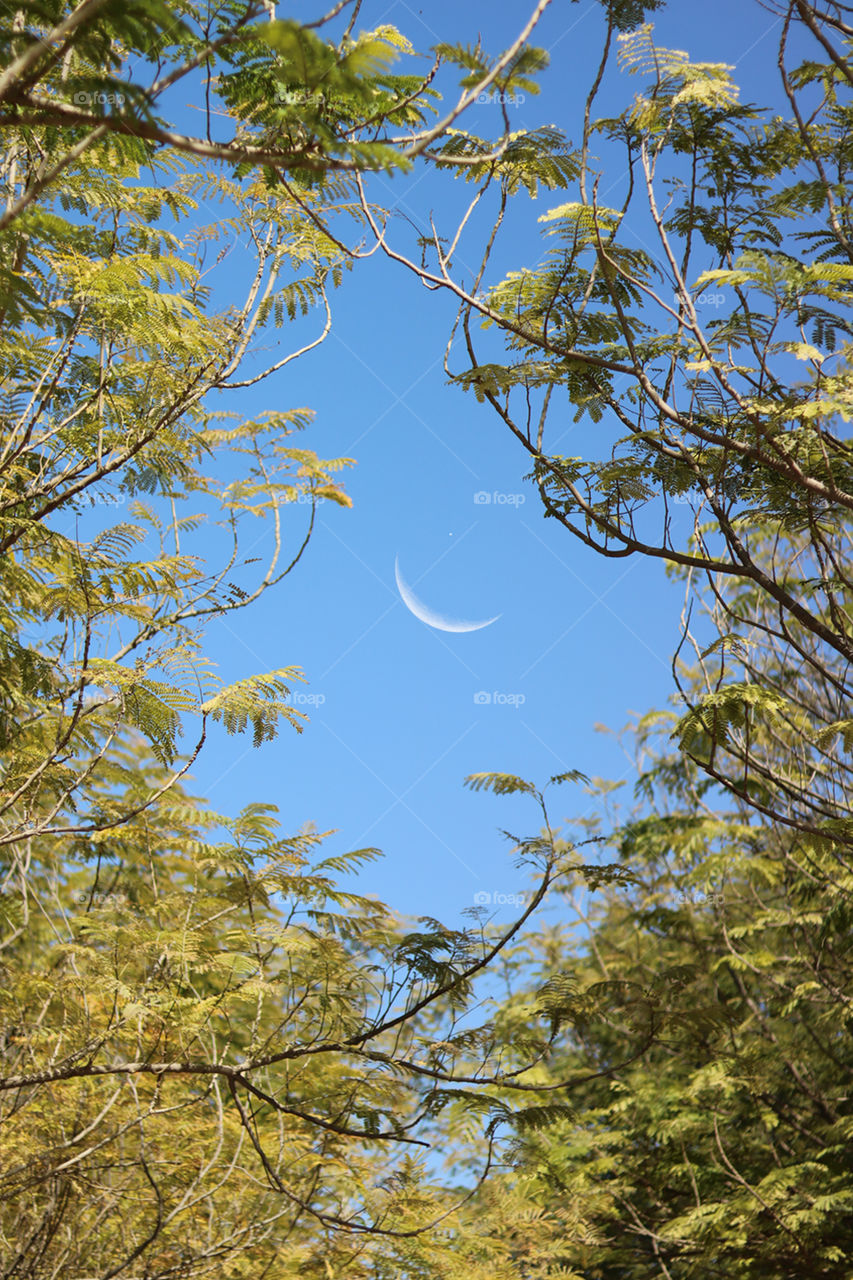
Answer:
x=400 y=713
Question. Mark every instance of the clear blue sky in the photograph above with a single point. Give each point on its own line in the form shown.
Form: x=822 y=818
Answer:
x=579 y=642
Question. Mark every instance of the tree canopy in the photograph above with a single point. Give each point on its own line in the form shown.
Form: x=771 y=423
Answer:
x=716 y=369
x=214 y=1059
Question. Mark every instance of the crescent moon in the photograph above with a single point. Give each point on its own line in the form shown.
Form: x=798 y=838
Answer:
x=429 y=616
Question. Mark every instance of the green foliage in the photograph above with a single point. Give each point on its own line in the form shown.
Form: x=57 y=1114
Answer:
x=715 y=362
x=527 y=159
x=503 y=784
x=699 y=1004
x=215 y=1052
x=725 y=1144
x=216 y=1059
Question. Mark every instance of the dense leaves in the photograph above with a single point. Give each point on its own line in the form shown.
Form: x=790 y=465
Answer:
x=216 y=1059
x=716 y=370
